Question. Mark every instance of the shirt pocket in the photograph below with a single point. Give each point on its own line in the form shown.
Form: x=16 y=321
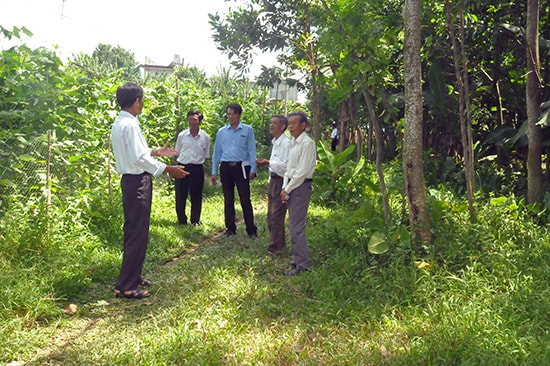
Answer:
x=242 y=141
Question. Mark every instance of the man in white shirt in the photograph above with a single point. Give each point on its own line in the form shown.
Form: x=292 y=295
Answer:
x=134 y=160
x=296 y=191
x=276 y=210
x=193 y=146
x=334 y=137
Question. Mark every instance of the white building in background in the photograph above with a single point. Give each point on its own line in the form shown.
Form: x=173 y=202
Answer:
x=282 y=91
x=149 y=69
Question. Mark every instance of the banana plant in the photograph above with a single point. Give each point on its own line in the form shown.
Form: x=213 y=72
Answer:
x=336 y=168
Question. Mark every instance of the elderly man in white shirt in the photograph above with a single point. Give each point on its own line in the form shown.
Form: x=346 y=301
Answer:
x=134 y=160
x=276 y=210
x=193 y=146
x=296 y=191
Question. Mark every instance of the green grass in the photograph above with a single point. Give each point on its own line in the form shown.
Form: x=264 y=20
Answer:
x=484 y=299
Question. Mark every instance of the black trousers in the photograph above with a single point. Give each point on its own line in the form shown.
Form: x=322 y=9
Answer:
x=137 y=195
x=231 y=175
x=334 y=144
x=191 y=185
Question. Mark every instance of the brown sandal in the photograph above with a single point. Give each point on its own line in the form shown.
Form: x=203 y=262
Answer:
x=132 y=294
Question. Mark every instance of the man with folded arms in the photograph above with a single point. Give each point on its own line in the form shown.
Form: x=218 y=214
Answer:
x=296 y=191
x=134 y=160
x=276 y=210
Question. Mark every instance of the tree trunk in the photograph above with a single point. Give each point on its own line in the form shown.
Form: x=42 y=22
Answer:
x=343 y=123
x=379 y=151
x=413 y=166
x=535 y=191
x=463 y=106
x=353 y=126
x=315 y=92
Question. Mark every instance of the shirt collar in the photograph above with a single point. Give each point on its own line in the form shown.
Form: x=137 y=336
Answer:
x=127 y=114
x=300 y=138
x=277 y=141
x=228 y=126
x=188 y=132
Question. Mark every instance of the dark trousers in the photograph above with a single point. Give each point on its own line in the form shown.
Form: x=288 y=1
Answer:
x=276 y=212
x=137 y=195
x=334 y=144
x=298 y=204
x=191 y=185
x=231 y=175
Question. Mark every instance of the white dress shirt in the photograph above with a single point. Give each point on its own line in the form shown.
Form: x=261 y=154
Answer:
x=130 y=149
x=301 y=162
x=279 y=155
x=193 y=149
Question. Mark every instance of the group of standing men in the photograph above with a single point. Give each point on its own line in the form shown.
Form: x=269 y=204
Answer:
x=291 y=166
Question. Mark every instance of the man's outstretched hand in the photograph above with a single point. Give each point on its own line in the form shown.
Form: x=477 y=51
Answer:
x=165 y=151
x=177 y=171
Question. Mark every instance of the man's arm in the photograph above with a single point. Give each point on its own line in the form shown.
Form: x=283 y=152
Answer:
x=252 y=153
x=216 y=156
x=165 y=151
x=262 y=162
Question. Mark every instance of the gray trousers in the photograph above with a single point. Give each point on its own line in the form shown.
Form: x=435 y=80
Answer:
x=297 y=214
x=276 y=212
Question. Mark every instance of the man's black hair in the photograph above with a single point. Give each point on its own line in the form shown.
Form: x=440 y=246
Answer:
x=193 y=112
x=282 y=119
x=235 y=107
x=302 y=115
x=127 y=94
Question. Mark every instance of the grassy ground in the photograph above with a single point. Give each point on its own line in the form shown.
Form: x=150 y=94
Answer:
x=222 y=301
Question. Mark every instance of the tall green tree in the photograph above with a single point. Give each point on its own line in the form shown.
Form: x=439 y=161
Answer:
x=116 y=58
x=366 y=33
x=273 y=26
x=464 y=114
x=535 y=192
x=413 y=166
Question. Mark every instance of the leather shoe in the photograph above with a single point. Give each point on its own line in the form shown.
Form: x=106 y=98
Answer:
x=228 y=233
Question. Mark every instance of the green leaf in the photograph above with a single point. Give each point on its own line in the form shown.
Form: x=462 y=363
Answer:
x=378 y=243
x=544 y=120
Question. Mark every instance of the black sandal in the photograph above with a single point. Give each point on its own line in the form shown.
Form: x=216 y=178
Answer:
x=145 y=282
x=132 y=294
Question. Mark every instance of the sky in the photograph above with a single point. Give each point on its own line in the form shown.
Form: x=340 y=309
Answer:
x=153 y=29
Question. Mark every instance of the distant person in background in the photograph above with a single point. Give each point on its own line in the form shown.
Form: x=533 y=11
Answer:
x=134 y=160
x=334 y=137
x=276 y=209
x=296 y=191
x=235 y=154
x=193 y=146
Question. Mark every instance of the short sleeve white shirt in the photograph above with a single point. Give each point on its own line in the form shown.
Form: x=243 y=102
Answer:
x=193 y=149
